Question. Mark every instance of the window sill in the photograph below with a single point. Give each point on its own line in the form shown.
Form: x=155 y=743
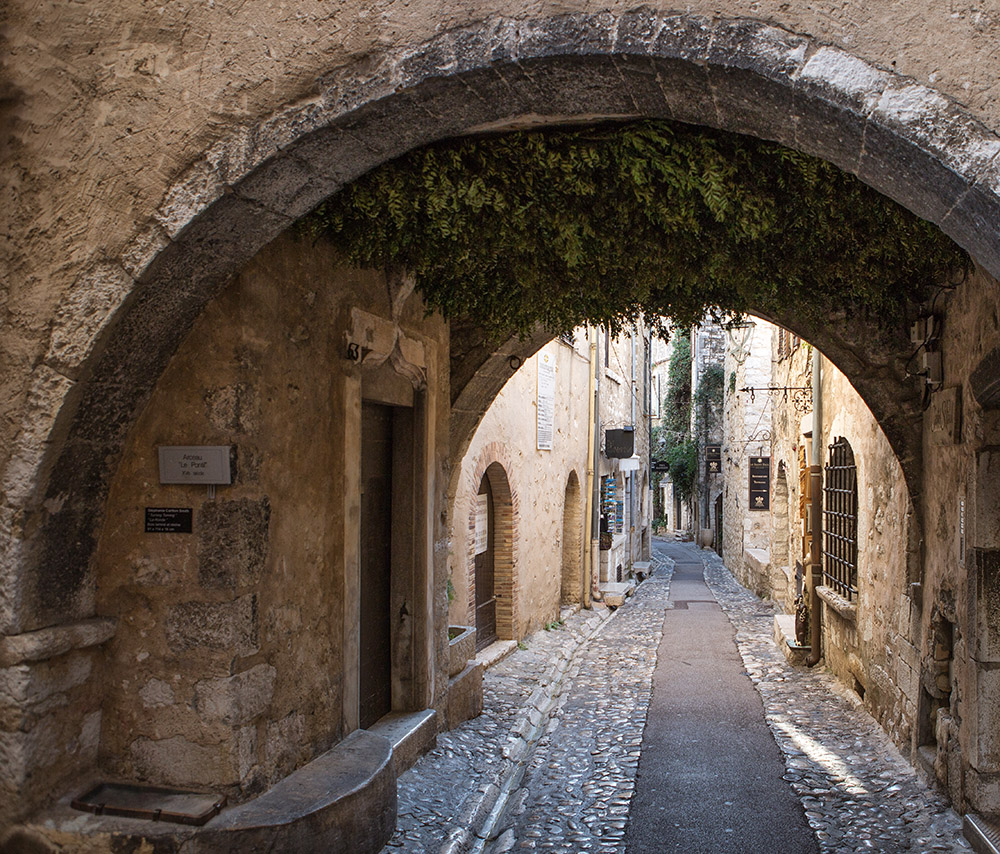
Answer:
x=847 y=609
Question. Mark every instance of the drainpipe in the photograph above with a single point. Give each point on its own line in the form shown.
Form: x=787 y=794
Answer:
x=632 y=474
x=816 y=499
x=595 y=520
x=589 y=527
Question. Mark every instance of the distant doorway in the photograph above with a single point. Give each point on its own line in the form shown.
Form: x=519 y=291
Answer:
x=571 y=590
x=718 y=524
x=375 y=690
x=486 y=600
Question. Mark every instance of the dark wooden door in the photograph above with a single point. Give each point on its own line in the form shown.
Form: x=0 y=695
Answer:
x=376 y=562
x=486 y=600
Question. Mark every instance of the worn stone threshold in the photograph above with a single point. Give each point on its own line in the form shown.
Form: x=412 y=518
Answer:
x=344 y=800
x=411 y=734
x=982 y=834
x=495 y=653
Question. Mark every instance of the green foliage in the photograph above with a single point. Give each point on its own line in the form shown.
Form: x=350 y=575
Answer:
x=708 y=401
x=677 y=400
x=603 y=223
x=683 y=460
x=671 y=441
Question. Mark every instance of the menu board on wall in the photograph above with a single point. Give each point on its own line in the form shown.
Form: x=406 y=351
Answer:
x=546 y=400
x=760 y=483
x=713 y=459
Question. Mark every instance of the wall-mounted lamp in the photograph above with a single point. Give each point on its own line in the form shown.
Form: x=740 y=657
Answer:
x=739 y=335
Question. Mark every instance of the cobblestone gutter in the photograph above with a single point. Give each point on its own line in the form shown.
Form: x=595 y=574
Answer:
x=859 y=793
x=540 y=746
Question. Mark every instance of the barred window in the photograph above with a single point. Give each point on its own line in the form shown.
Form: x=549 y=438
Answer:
x=840 y=521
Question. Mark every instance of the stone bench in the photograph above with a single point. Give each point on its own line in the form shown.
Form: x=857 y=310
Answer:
x=344 y=800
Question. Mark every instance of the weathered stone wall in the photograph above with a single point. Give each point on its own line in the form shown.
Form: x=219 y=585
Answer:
x=790 y=459
x=622 y=404
x=747 y=428
x=229 y=665
x=960 y=687
x=873 y=652
x=508 y=435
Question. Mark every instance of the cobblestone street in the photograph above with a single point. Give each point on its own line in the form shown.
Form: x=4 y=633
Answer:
x=551 y=763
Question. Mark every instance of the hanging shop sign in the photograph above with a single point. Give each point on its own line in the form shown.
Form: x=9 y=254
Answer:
x=760 y=483
x=713 y=459
x=619 y=443
x=661 y=466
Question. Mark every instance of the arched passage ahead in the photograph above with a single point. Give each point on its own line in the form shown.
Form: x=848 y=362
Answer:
x=117 y=329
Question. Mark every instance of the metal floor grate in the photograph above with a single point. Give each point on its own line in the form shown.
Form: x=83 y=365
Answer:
x=983 y=835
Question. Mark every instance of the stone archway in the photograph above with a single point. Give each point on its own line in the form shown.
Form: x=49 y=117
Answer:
x=571 y=587
x=118 y=326
x=124 y=318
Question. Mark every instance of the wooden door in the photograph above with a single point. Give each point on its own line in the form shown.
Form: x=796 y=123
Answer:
x=486 y=601
x=376 y=562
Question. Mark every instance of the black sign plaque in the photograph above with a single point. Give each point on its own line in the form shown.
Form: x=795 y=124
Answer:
x=713 y=459
x=760 y=483
x=168 y=520
x=619 y=444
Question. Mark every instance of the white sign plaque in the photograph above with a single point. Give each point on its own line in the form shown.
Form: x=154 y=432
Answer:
x=546 y=400
x=482 y=523
x=201 y=464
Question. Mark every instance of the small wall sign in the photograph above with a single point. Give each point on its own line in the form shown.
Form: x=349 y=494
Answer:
x=760 y=483
x=713 y=459
x=201 y=464
x=482 y=523
x=168 y=520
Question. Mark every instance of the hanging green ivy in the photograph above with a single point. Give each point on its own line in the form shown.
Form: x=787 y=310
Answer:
x=602 y=223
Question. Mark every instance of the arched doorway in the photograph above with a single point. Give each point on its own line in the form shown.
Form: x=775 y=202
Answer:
x=485 y=586
x=571 y=588
x=493 y=571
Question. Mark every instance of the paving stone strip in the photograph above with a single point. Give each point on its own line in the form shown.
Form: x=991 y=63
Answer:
x=456 y=798
x=859 y=793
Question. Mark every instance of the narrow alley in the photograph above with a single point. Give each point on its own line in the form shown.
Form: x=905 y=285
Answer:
x=638 y=730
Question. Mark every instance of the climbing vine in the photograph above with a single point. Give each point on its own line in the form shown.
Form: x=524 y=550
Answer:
x=671 y=440
x=603 y=223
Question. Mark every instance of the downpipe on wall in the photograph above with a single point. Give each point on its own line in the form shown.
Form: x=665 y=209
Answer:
x=816 y=503
x=589 y=527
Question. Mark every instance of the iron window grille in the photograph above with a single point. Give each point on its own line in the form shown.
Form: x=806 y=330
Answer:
x=840 y=521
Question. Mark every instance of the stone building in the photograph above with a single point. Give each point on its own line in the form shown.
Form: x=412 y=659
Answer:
x=518 y=528
x=624 y=498
x=521 y=545
x=155 y=159
x=870 y=596
x=707 y=425
x=747 y=527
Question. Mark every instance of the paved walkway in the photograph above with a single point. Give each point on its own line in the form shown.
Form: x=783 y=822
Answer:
x=551 y=764
x=710 y=776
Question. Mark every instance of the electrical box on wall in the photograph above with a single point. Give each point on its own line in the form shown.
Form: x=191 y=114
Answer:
x=932 y=371
x=920 y=330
